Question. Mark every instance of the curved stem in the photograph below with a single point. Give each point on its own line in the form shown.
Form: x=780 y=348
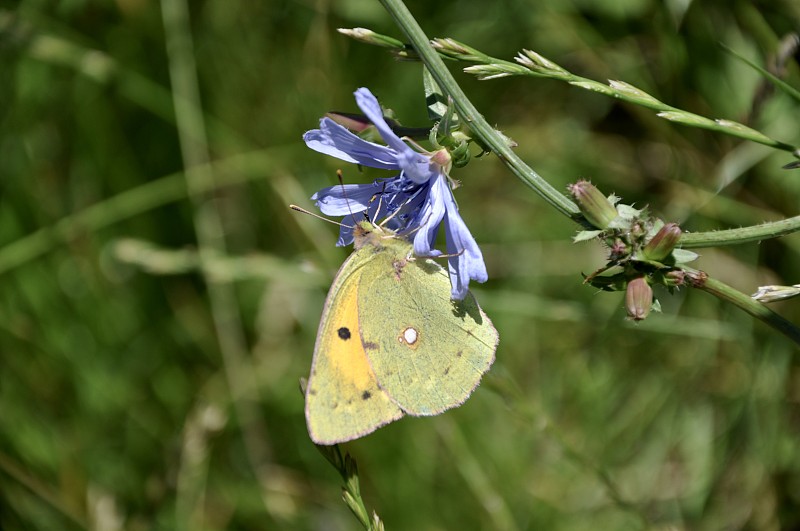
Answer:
x=496 y=143
x=487 y=134
x=700 y=280
x=469 y=114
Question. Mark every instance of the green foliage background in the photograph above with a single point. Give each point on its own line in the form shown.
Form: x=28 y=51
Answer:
x=120 y=410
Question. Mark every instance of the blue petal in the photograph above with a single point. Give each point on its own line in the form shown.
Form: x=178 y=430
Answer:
x=416 y=201
x=341 y=200
x=334 y=140
x=416 y=166
x=467 y=261
x=429 y=217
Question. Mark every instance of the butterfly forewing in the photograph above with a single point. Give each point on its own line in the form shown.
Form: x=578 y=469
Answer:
x=343 y=399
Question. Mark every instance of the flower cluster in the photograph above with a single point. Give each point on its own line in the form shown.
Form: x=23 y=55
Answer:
x=417 y=200
x=643 y=250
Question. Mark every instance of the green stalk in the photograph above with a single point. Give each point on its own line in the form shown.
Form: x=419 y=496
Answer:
x=496 y=143
x=700 y=280
x=532 y=64
x=351 y=491
x=470 y=115
x=754 y=233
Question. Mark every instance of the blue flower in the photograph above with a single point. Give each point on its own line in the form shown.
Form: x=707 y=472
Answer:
x=418 y=200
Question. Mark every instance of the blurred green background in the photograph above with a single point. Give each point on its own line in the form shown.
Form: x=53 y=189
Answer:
x=137 y=394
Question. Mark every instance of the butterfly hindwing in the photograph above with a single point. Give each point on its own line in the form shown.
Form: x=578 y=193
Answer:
x=427 y=351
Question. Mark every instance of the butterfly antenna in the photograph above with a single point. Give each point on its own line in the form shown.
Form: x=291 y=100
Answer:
x=304 y=211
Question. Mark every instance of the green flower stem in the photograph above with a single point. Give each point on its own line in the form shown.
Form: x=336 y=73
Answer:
x=533 y=64
x=700 y=280
x=754 y=233
x=530 y=63
x=449 y=48
x=351 y=491
x=470 y=115
x=495 y=142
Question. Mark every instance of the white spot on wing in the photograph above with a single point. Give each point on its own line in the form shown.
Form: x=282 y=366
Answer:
x=409 y=336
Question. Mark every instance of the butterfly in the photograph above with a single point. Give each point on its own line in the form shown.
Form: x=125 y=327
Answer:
x=391 y=342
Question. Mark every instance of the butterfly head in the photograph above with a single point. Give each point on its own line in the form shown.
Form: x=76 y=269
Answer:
x=368 y=233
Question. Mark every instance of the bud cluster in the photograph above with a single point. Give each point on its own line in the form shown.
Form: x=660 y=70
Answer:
x=642 y=249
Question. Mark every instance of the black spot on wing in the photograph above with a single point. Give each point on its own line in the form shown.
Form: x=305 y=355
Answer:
x=344 y=333
x=366 y=395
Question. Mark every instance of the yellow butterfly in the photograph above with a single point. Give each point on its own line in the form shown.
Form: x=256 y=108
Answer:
x=391 y=342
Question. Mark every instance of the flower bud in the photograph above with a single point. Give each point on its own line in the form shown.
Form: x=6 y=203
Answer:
x=594 y=206
x=662 y=244
x=776 y=293
x=638 y=299
x=354 y=122
x=370 y=37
